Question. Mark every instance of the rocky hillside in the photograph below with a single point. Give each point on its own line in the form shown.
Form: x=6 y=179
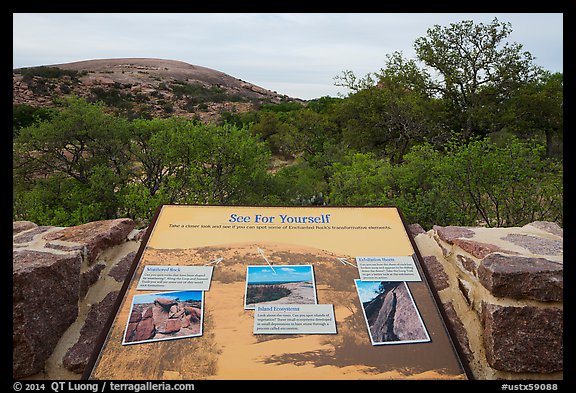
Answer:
x=142 y=87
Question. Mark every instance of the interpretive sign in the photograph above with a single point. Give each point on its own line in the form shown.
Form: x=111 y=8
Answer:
x=239 y=292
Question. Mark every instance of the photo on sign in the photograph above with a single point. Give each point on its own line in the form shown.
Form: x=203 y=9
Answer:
x=390 y=313
x=279 y=284
x=164 y=316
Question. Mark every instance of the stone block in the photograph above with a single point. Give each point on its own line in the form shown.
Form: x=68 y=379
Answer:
x=121 y=269
x=92 y=238
x=547 y=226
x=519 y=277
x=77 y=356
x=523 y=339
x=29 y=234
x=462 y=342
x=45 y=293
x=89 y=277
x=436 y=271
x=479 y=249
x=416 y=229
x=536 y=244
x=20 y=226
x=448 y=234
x=467 y=263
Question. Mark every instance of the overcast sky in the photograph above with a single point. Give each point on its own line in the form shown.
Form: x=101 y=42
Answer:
x=294 y=54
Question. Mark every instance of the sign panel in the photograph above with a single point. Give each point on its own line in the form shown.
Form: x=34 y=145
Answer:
x=237 y=292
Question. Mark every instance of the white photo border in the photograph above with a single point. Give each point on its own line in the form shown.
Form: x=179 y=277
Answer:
x=427 y=339
x=200 y=333
x=247 y=307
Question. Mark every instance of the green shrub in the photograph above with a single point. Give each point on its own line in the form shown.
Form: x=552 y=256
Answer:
x=24 y=115
x=49 y=72
x=479 y=183
x=360 y=179
x=508 y=185
x=113 y=96
x=298 y=184
x=258 y=293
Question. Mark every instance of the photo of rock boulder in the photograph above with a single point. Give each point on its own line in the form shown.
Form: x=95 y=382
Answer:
x=164 y=316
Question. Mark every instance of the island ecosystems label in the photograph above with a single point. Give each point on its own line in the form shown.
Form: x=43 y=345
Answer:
x=294 y=319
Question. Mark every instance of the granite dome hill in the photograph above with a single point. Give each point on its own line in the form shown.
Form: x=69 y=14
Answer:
x=142 y=87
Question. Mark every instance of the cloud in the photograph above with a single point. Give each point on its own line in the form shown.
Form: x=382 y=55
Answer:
x=367 y=290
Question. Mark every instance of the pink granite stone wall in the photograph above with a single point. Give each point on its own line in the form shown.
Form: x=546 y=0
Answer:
x=504 y=287
x=65 y=280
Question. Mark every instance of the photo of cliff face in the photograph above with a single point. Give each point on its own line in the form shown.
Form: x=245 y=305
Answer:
x=390 y=313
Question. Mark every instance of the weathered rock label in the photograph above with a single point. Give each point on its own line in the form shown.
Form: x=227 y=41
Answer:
x=159 y=278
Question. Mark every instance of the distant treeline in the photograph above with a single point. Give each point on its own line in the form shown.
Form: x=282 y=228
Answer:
x=478 y=143
x=29 y=73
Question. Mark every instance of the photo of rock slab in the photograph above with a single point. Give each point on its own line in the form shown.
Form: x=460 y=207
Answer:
x=288 y=284
x=164 y=316
x=390 y=313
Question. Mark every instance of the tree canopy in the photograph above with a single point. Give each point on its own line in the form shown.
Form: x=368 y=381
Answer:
x=468 y=133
